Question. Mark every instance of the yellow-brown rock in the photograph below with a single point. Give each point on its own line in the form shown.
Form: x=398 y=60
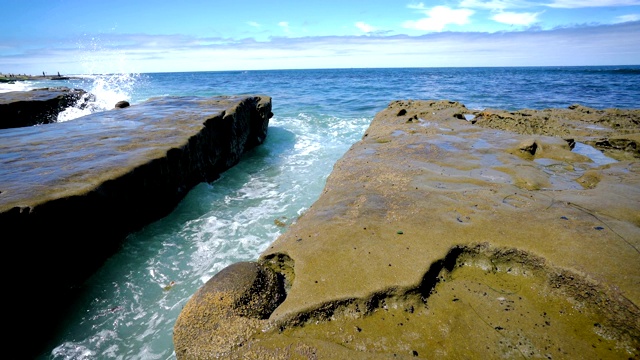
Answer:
x=225 y=312
x=437 y=238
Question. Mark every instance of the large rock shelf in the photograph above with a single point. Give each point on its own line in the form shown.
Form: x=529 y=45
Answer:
x=38 y=106
x=436 y=237
x=70 y=192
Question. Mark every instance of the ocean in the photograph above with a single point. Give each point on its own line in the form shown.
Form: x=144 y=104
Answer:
x=129 y=306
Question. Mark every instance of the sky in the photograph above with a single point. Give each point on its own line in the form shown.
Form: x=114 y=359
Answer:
x=116 y=36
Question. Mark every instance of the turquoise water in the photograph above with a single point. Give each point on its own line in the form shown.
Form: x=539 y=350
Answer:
x=131 y=304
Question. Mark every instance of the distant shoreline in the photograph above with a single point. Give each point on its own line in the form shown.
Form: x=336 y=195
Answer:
x=8 y=78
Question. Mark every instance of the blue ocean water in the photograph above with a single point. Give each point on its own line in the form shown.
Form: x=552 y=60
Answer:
x=130 y=305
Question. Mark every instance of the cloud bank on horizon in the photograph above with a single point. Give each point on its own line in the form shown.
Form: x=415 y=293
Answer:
x=80 y=37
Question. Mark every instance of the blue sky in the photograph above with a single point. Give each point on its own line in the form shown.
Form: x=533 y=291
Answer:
x=88 y=36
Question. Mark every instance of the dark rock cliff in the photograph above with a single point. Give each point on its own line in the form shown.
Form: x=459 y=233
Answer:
x=70 y=192
x=38 y=106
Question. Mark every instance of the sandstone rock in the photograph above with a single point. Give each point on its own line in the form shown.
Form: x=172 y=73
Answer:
x=226 y=311
x=587 y=125
x=39 y=106
x=437 y=238
x=70 y=192
x=529 y=146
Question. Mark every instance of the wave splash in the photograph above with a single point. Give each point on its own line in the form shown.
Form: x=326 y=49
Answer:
x=103 y=92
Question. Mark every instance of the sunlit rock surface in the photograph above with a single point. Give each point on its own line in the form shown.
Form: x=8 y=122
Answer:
x=70 y=192
x=38 y=106
x=614 y=131
x=438 y=238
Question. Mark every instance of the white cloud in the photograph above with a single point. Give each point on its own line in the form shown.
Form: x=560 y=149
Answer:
x=572 y=4
x=418 y=6
x=284 y=25
x=583 y=45
x=365 y=27
x=494 y=5
x=253 y=23
x=438 y=17
x=512 y=18
x=627 y=18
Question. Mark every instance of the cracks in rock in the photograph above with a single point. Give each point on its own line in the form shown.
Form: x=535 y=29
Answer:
x=589 y=212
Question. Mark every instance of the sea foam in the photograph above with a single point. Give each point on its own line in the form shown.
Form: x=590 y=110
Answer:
x=103 y=92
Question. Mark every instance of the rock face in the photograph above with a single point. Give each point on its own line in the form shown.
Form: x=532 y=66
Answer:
x=239 y=297
x=71 y=191
x=438 y=238
x=39 y=106
x=614 y=131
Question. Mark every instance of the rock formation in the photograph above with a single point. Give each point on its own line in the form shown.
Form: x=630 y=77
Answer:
x=38 y=106
x=122 y=104
x=238 y=298
x=614 y=131
x=438 y=238
x=70 y=192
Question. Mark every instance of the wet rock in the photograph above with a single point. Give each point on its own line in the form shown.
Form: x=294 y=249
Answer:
x=70 y=192
x=532 y=248
x=578 y=122
x=225 y=312
x=619 y=145
x=529 y=146
x=122 y=104
x=38 y=106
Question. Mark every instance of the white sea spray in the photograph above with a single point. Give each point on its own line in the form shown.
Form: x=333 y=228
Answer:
x=102 y=93
x=15 y=86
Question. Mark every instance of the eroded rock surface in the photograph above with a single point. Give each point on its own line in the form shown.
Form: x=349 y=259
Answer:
x=614 y=131
x=38 y=106
x=70 y=192
x=438 y=238
x=222 y=313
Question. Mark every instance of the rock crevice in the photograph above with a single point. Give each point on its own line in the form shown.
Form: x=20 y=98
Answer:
x=70 y=192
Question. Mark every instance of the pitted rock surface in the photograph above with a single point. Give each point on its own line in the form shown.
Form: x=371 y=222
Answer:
x=438 y=238
x=224 y=313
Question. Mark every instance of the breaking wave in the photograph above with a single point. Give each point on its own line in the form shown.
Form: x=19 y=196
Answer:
x=103 y=92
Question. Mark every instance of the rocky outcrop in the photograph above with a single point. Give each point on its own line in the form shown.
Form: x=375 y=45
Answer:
x=71 y=191
x=38 y=106
x=241 y=296
x=122 y=104
x=437 y=238
x=614 y=131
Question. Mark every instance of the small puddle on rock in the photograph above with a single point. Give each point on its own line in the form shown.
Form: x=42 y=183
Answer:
x=594 y=154
x=564 y=176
